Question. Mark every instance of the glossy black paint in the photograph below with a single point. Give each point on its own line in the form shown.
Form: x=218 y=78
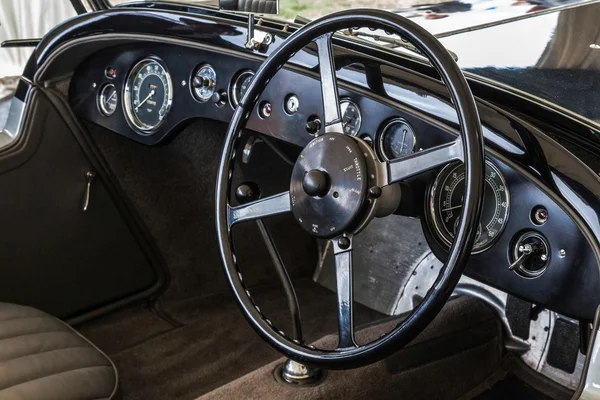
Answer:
x=559 y=63
x=520 y=130
x=555 y=288
x=181 y=61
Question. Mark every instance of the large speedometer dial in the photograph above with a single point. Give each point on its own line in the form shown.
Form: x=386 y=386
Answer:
x=148 y=95
x=446 y=202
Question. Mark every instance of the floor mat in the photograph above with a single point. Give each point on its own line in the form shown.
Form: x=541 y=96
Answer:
x=445 y=378
x=216 y=345
x=512 y=387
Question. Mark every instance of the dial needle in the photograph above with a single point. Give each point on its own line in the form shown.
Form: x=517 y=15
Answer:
x=452 y=208
x=145 y=100
x=111 y=97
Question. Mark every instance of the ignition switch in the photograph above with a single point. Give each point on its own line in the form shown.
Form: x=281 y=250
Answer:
x=530 y=254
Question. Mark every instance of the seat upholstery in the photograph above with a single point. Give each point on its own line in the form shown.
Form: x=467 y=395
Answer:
x=42 y=358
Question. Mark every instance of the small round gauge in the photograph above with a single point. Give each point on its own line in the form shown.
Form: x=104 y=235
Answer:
x=108 y=99
x=204 y=82
x=148 y=95
x=397 y=139
x=240 y=84
x=351 y=117
x=446 y=201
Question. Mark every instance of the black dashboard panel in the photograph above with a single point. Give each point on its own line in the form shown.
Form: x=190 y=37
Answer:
x=576 y=272
x=181 y=62
x=568 y=286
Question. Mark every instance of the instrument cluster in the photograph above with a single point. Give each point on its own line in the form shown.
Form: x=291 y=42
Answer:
x=150 y=91
x=148 y=96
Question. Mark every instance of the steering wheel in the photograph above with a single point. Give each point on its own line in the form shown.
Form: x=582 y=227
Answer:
x=338 y=185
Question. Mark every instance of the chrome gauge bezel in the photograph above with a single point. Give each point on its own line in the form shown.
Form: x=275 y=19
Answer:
x=359 y=111
x=131 y=117
x=433 y=217
x=100 y=100
x=382 y=134
x=236 y=81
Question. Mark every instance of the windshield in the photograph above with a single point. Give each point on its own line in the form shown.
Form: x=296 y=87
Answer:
x=437 y=16
x=547 y=48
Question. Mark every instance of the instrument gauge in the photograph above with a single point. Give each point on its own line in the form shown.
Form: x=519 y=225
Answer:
x=396 y=139
x=148 y=95
x=446 y=202
x=351 y=117
x=108 y=100
x=204 y=83
x=240 y=85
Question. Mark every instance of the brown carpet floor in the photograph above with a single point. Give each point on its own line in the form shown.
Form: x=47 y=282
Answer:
x=215 y=346
x=445 y=378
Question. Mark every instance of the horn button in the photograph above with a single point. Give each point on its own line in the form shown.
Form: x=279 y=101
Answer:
x=329 y=185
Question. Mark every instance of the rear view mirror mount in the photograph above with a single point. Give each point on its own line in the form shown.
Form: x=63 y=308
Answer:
x=256 y=40
x=250 y=6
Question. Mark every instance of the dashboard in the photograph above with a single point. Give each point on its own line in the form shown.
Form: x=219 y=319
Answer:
x=526 y=243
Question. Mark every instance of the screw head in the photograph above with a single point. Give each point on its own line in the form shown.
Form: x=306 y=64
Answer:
x=344 y=243
x=562 y=253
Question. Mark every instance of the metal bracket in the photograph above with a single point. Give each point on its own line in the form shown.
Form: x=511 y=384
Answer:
x=257 y=40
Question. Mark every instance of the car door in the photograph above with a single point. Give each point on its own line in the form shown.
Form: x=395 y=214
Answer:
x=70 y=243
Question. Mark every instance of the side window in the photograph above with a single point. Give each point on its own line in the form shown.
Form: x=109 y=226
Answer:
x=23 y=19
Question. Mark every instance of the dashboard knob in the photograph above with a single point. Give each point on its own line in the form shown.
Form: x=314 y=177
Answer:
x=315 y=183
x=247 y=192
x=314 y=126
x=200 y=82
x=219 y=98
x=530 y=255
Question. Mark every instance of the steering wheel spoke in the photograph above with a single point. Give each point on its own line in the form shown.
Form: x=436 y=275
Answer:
x=329 y=87
x=273 y=205
x=342 y=249
x=416 y=163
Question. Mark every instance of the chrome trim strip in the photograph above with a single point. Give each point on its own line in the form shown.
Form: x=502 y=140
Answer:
x=14 y=122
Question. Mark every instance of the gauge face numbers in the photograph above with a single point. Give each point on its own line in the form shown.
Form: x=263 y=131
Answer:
x=351 y=117
x=108 y=99
x=204 y=82
x=447 y=196
x=148 y=95
x=240 y=85
x=397 y=139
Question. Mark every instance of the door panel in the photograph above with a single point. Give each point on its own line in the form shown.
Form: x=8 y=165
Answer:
x=54 y=255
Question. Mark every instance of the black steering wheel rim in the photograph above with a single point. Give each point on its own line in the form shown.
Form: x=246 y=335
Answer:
x=473 y=157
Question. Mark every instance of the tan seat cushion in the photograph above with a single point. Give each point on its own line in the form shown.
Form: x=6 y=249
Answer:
x=42 y=358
